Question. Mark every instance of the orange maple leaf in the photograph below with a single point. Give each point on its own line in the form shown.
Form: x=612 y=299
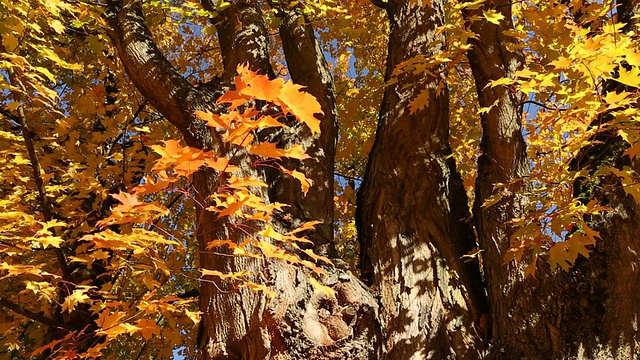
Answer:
x=305 y=183
x=267 y=149
x=301 y=104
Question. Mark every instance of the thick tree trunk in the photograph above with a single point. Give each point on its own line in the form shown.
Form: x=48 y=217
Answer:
x=586 y=313
x=413 y=223
x=611 y=272
x=620 y=233
x=533 y=318
x=503 y=161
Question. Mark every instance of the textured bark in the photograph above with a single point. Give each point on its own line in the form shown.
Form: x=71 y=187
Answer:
x=531 y=317
x=150 y=71
x=586 y=313
x=308 y=67
x=412 y=208
x=612 y=269
x=239 y=324
x=503 y=160
x=621 y=242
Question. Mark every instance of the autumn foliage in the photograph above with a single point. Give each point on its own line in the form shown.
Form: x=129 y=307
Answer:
x=133 y=251
x=98 y=248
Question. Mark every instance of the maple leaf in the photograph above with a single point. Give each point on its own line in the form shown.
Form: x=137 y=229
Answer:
x=242 y=183
x=493 y=16
x=319 y=287
x=267 y=121
x=46 y=241
x=258 y=287
x=301 y=104
x=562 y=63
x=148 y=328
x=309 y=225
x=78 y=296
x=629 y=77
x=268 y=149
x=305 y=183
x=194 y=316
x=633 y=58
x=128 y=201
x=237 y=275
x=314 y=256
x=184 y=160
x=52 y=345
x=57 y=26
x=500 y=82
x=420 y=102
x=215 y=243
x=271 y=233
x=108 y=321
x=260 y=87
x=149 y=186
x=213 y=120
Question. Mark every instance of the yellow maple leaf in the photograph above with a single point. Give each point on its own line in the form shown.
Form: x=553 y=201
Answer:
x=633 y=58
x=237 y=275
x=305 y=183
x=258 y=287
x=301 y=104
x=57 y=26
x=319 y=287
x=562 y=63
x=268 y=149
x=194 y=316
x=420 y=102
x=78 y=296
x=106 y=319
x=51 y=55
x=629 y=77
x=10 y=42
x=493 y=16
x=148 y=328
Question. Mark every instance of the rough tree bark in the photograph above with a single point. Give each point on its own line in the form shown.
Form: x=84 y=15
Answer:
x=503 y=160
x=413 y=222
x=586 y=313
x=611 y=272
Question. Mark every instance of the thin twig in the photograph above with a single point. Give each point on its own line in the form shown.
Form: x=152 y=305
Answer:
x=35 y=165
x=355 y=178
x=542 y=105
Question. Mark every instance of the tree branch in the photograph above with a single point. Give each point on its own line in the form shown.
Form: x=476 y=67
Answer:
x=32 y=315
x=307 y=65
x=243 y=37
x=37 y=177
x=151 y=73
x=9 y=115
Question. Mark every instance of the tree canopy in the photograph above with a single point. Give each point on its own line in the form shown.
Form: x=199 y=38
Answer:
x=252 y=179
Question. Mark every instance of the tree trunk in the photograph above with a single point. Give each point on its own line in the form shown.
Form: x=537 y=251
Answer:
x=586 y=313
x=413 y=223
x=611 y=272
x=503 y=160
